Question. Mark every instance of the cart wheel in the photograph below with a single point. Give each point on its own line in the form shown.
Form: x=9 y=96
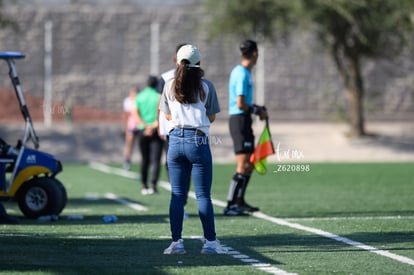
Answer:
x=41 y=196
x=64 y=195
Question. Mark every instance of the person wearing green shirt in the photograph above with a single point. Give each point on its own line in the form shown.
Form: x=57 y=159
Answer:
x=151 y=145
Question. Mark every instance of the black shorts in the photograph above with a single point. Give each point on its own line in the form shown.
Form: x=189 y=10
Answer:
x=242 y=133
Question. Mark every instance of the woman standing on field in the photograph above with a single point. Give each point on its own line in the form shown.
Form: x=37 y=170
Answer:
x=190 y=104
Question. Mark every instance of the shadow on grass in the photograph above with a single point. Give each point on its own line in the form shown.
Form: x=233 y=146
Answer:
x=62 y=253
x=68 y=254
x=97 y=219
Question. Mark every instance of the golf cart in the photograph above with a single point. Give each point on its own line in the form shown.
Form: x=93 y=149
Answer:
x=28 y=175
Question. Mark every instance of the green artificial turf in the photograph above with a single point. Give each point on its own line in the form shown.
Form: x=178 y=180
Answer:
x=370 y=203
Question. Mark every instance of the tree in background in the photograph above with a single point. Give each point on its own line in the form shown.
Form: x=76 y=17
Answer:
x=351 y=29
x=266 y=19
x=355 y=29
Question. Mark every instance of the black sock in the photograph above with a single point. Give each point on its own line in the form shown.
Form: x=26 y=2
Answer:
x=242 y=191
x=234 y=188
x=237 y=188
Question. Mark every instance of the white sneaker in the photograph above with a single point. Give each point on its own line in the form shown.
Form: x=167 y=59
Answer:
x=213 y=247
x=127 y=165
x=175 y=248
x=147 y=191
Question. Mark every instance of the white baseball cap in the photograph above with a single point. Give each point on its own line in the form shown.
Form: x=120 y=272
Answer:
x=190 y=53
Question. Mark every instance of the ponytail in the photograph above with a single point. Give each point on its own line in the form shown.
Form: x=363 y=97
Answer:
x=187 y=84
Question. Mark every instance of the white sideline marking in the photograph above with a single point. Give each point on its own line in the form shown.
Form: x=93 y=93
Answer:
x=111 y=170
x=256 y=263
x=92 y=196
x=132 y=205
x=332 y=236
x=311 y=219
x=243 y=258
x=316 y=231
x=91 y=237
x=36 y=235
x=76 y=211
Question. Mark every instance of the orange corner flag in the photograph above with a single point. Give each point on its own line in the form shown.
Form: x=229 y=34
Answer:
x=263 y=149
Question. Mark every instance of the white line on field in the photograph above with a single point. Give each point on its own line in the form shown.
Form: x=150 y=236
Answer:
x=311 y=219
x=312 y=230
x=91 y=237
x=332 y=236
x=76 y=211
x=111 y=170
x=244 y=258
x=256 y=263
x=132 y=205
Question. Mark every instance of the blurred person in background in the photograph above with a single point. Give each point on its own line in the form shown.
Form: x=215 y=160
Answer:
x=163 y=123
x=145 y=112
x=129 y=127
x=7 y=152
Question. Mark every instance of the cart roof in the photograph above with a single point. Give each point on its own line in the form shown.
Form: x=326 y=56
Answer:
x=7 y=55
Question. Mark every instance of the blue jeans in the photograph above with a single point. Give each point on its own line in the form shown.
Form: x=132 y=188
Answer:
x=189 y=155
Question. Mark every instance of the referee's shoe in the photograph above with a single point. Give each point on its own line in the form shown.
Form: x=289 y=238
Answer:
x=234 y=210
x=244 y=206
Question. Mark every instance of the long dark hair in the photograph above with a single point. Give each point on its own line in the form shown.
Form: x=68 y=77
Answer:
x=188 y=87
